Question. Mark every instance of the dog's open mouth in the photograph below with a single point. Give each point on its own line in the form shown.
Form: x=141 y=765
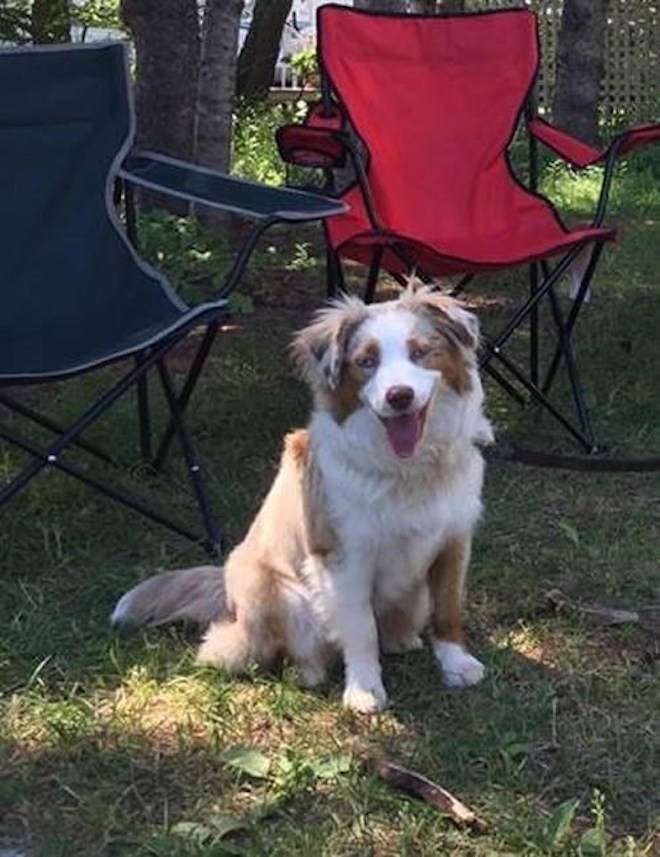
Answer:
x=405 y=431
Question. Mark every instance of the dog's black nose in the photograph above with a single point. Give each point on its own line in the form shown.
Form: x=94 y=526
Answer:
x=400 y=398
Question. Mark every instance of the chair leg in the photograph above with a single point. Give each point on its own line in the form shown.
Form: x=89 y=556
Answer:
x=573 y=314
x=194 y=468
x=111 y=491
x=409 y=261
x=334 y=274
x=461 y=285
x=566 y=347
x=50 y=455
x=186 y=391
x=68 y=437
x=35 y=417
x=557 y=272
x=144 y=415
x=534 y=326
x=536 y=394
x=372 y=277
x=493 y=348
x=504 y=383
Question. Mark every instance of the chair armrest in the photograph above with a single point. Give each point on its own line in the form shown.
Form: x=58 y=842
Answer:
x=317 y=142
x=574 y=151
x=636 y=138
x=580 y=154
x=310 y=147
x=200 y=184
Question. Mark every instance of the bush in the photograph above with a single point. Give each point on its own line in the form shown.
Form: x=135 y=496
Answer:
x=255 y=154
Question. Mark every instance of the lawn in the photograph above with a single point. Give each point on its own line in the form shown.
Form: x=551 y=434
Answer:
x=117 y=744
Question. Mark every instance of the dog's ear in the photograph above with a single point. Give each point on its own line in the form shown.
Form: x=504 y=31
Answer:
x=450 y=317
x=319 y=349
x=465 y=324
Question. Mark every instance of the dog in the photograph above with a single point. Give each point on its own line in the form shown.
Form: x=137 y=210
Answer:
x=364 y=537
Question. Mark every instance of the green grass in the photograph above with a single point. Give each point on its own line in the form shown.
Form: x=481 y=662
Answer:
x=112 y=744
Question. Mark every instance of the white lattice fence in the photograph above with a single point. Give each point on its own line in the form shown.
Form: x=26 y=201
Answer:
x=631 y=84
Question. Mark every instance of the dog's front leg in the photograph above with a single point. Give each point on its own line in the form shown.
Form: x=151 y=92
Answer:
x=446 y=587
x=353 y=625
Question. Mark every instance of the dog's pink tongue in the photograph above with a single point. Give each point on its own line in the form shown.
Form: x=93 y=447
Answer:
x=403 y=433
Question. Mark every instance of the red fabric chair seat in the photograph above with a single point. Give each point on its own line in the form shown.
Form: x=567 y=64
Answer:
x=536 y=234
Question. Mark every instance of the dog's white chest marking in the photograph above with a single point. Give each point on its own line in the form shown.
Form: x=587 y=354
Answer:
x=395 y=523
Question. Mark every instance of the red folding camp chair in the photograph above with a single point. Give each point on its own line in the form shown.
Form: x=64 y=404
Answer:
x=425 y=109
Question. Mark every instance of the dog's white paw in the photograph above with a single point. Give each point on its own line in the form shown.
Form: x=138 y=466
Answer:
x=365 y=700
x=413 y=643
x=460 y=668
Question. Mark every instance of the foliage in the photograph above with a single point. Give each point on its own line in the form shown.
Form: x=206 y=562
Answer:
x=15 y=21
x=558 y=826
x=98 y=13
x=195 y=260
x=255 y=154
x=305 y=64
x=16 y=18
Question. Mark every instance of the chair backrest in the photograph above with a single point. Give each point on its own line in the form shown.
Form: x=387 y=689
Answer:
x=65 y=123
x=436 y=100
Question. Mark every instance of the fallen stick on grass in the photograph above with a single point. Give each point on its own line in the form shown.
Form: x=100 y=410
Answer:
x=556 y=601
x=431 y=792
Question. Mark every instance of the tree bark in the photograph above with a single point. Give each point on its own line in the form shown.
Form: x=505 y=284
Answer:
x=217 y=85
x=580 y=67
x=167 y=45
x=51 y=21
x=258 y=57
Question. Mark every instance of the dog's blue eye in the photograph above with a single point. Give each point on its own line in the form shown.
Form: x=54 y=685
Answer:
x=418 y=354
x=365 y=362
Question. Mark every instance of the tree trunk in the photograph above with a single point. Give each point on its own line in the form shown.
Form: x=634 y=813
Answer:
x=166 y=38
x=580 y=67
x=217 y=85
x=256 y=63
x=51 y=21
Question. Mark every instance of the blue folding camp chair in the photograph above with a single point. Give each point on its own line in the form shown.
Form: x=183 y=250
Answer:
x=75 y=294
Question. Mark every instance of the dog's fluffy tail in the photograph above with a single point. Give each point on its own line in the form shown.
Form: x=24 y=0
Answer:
x=192 y=594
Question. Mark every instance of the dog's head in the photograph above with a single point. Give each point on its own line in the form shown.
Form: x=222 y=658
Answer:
x=395 y=359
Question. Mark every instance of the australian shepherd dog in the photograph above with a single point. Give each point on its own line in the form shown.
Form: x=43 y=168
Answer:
x=364 y=537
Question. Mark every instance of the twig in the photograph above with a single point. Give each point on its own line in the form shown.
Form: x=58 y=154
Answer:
x=431 y=792
x=556 y=600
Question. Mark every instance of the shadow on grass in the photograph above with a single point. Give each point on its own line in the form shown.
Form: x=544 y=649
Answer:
x=530 y=737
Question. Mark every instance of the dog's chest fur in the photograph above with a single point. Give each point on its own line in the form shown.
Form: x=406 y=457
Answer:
x=397 y=517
